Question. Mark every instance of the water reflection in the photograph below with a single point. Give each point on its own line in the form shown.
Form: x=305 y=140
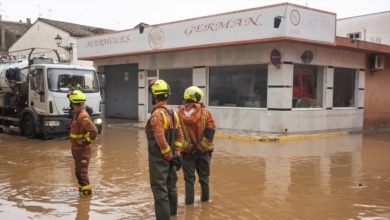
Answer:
x=332 y=178
x=83 y=207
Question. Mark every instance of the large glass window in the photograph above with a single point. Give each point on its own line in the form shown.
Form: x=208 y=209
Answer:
x=242 y=86
x=178 y=81
x=344 y=87
x=63 y=80
x=308 y=86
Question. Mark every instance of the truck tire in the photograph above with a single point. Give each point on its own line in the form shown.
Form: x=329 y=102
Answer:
x=29 y=127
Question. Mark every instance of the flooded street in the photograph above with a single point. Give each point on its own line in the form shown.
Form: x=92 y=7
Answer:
x=345 y=177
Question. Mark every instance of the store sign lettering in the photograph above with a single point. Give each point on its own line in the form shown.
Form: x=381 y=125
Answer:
x=216 y=26
x=108 y=41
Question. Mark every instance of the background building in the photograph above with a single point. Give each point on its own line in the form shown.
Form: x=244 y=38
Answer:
x=42 y=32
x=373 y=28
x=10 y=31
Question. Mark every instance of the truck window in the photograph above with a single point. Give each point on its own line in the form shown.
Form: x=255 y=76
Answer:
x=37 y=80
x=63 y=80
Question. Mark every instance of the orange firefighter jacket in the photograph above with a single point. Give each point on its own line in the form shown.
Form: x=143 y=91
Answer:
x=198 y=127
x=83 y=128
x=159 y=121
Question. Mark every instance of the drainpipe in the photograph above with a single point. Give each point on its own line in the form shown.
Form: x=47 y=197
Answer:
x=364 y=31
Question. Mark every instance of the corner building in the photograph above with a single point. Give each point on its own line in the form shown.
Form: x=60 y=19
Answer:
x=279 y=68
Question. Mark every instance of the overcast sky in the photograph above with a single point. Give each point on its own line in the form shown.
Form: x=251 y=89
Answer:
x=125 y=14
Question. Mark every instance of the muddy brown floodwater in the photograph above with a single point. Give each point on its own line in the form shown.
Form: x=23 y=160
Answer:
x=344 y=177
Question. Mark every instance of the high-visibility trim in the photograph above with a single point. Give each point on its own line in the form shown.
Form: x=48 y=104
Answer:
x=165 y=123
x=179 y=144
x=81 y=136
x=204 y=120
x=177 y=120
x=77 y=136
x=206 y=144
x=86 y=187
x=185 y=129
x=88 y=138
x=166 y=150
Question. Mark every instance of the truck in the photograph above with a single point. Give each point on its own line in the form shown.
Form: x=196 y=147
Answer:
x=304 y=87
x=33 y=93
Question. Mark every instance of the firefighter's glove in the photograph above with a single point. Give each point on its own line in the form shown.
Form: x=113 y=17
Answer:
x=196 y=152
x=176 y=161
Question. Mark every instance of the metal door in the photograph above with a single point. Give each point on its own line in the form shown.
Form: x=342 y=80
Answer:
x=121 y=91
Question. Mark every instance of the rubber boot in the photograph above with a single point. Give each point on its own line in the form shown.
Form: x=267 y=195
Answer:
x=161 y=209
x=190 y=194
x=204 y=197
x=85 y=190
x=173 y=205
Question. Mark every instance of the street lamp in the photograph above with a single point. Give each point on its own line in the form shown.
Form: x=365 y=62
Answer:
x=58 y=40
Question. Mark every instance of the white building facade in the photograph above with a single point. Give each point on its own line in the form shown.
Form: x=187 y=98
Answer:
x=373 y=28
x=41 y=35
x=255 y=76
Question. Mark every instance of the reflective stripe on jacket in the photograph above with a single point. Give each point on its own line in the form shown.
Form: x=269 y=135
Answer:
x=160 y=121
x=194 y=119
x=82 y=127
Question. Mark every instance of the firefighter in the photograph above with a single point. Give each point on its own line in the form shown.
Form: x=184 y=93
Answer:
x=198 y=128
x=164 y=144
x=73 y=84
x=82 y=133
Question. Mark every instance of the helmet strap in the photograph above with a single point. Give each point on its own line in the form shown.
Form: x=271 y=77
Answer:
x=198 y=97
x=159 y=97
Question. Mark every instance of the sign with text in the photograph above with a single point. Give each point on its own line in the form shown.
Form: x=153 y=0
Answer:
x=251 y=25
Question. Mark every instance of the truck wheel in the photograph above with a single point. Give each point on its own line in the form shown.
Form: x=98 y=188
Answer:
x=29 y=127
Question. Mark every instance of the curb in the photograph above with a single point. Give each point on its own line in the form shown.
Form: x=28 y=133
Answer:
x=281 y=138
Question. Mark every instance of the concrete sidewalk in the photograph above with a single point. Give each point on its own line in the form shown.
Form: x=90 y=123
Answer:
x=253 y=135
x=270 y=137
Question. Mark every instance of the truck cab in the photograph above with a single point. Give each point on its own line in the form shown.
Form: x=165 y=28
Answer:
x=35 y=103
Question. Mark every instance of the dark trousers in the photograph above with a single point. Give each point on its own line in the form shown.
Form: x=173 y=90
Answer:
x=202 y=168
x=163 y=179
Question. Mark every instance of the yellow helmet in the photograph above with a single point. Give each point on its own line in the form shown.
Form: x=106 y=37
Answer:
x=158 y=87
x=77 y=97
x=193 y=93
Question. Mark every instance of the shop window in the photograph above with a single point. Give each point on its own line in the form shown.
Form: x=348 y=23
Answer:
x=344 y=87
x=152 y=73
x=308 y=87
x=241 y=86
x=178 y=80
